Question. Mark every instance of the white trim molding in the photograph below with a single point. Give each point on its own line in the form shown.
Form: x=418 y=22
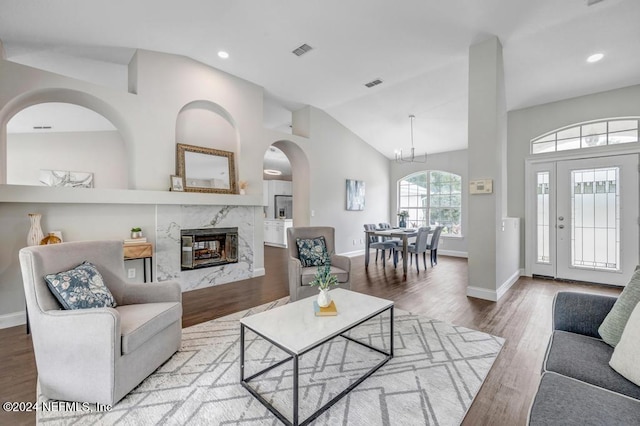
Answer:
x=13 y=319
x=353 y=253
x=453 y=253
x=258 y=272
x=495 y=295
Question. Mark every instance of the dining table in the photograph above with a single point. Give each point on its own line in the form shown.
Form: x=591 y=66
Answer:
x=401 y=233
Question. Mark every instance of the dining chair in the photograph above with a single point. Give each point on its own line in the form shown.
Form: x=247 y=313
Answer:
x=376 y=243
x=420 y=246
x=433 y=245
x=396 y=241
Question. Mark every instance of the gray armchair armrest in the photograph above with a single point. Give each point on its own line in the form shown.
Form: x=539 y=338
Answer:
x=342 y=262
x=295 y=273
x=166 y=291
x=580 y=313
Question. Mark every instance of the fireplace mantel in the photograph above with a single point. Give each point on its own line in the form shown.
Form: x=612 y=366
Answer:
x=42 y=194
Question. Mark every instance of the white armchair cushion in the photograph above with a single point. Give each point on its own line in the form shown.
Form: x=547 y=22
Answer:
x=138 y=323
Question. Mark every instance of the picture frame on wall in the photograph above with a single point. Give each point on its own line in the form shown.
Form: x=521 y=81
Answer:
x=177 y=183
x=355 y=195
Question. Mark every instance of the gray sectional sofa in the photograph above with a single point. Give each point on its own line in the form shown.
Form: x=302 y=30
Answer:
x=578 y=387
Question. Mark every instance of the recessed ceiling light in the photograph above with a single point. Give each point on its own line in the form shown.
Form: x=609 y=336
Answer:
x=272 y=172
x=595 y=58
x=223 y=54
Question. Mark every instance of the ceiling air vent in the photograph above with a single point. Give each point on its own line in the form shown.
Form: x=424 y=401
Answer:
x=592 y=2
x=41 y=127
x=373 y=83
x=301 y=50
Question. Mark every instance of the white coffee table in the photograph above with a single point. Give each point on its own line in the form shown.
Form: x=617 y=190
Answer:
x=295 y=329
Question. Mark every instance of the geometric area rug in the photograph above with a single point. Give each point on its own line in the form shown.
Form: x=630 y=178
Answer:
x=436 y=372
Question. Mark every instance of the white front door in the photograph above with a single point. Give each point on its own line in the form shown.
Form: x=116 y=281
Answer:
x=586 y=219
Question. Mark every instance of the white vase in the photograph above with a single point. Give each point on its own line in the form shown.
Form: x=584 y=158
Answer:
x=35 y=234
x=324 y=298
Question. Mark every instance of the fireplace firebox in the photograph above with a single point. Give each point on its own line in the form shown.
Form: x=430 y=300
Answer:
x=207 y=247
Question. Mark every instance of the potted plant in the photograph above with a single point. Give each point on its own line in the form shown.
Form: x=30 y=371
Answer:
x=136 y=232
x=324 y=280
x=403 y=215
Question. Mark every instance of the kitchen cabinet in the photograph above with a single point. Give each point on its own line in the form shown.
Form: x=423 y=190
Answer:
x=275 y=231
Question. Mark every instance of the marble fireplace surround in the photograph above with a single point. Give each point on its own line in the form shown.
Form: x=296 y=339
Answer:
x=171 y=219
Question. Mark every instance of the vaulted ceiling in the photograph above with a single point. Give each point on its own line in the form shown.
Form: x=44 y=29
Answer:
x=418 y=48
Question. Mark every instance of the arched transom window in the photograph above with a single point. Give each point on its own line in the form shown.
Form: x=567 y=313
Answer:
x=432 y=198
x=587 y=135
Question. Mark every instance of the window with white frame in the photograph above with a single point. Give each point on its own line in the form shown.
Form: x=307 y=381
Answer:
x=587 y=135
x=432 y=198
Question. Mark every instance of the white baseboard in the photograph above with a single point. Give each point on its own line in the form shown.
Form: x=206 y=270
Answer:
x=258 y=272
x=509 y=282
x=453 y=253
x=494 y=295
x=482 y=293
x=353 y=253
x=13 y=319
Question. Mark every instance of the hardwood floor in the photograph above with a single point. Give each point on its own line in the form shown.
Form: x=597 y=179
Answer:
x=522 y=317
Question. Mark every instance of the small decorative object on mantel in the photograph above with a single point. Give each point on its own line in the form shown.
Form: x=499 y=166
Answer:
x=35 y=234
x=243 y=184
x=52 y=238
x=403 y=215
x=177 y=183
x=324 y=280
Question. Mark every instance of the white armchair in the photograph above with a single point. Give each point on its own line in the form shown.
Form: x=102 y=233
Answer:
x=100 y=354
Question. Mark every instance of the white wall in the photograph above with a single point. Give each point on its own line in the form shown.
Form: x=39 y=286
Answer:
x=335 y=155
x=528 y=123
x=452 y=162
x=101 y=153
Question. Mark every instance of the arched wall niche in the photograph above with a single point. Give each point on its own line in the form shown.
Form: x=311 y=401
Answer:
x=69 y=96
x=300 y=179
x=207 y=124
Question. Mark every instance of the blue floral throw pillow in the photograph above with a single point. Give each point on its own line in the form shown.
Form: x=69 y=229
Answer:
x=80 y=288
x=312 y=252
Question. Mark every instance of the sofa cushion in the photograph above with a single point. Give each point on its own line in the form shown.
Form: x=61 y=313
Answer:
x=563 y=401
x=80 y=288
x=312 y=252
x=611 y=328
x=138 y=323
x=586 y=359
x=626 y=356
x=309 y=273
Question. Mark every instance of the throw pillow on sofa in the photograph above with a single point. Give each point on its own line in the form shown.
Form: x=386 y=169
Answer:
x=613 y=325
x=80 y=288
x=626 y=356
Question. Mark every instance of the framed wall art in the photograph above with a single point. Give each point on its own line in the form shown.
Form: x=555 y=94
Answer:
x=355 y=194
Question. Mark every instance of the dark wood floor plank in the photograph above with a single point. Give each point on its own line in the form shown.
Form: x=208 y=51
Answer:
x=522 y=316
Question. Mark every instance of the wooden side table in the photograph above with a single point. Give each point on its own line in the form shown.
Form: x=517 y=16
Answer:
x=142 y=251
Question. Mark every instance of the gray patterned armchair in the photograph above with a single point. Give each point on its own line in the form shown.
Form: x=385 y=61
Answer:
x=299 y=276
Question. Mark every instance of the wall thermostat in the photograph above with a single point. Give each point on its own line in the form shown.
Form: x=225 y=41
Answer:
x=481 y=186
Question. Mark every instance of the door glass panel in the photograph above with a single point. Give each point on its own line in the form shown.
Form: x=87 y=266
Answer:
x=595 y=213
x=543 y=217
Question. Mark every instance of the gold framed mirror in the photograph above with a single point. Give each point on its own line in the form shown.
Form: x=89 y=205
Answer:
x=206 y=169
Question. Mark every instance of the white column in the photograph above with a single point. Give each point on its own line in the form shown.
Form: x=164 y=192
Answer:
x=487 y=160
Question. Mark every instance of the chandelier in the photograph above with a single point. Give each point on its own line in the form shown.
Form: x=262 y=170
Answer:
x=412 y=158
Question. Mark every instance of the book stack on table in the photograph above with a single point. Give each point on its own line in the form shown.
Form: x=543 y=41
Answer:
x=329 y=311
